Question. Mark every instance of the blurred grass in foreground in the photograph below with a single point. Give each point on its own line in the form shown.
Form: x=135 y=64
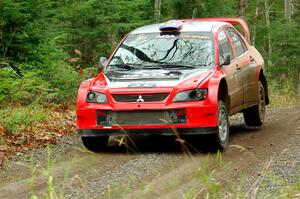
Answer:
x=205 y=180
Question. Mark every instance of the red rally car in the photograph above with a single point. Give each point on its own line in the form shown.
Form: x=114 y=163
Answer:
x=182 y=76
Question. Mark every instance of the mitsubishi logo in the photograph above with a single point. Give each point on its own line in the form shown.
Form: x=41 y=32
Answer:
x=140 y=99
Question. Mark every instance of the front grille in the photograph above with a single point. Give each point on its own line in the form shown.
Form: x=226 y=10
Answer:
x=148 y=97
x=144 y=117
x=139 y=117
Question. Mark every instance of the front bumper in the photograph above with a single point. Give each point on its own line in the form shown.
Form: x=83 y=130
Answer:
x=145 y=132
x=200 y=119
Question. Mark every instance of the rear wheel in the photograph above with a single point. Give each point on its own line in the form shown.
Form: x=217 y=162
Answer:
x=95 y=143
x=255 y=115
x=221 y=137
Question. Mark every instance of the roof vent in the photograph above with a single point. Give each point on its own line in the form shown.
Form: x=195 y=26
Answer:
x=171 y=26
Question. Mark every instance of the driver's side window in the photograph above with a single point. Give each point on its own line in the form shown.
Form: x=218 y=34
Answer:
x=224 y=46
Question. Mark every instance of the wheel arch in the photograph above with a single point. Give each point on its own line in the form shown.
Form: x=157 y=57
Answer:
x=223 y=93
x=263 y=80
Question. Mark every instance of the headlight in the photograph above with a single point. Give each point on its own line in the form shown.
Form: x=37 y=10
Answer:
x=94 y=97
x=191 y=95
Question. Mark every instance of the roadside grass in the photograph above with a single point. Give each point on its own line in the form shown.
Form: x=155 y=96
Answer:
x=283 y=93
x=13 y=119
x=267 y=185
x=282 y=100
x=272 y=185
x=115 y=190
x=280 y=187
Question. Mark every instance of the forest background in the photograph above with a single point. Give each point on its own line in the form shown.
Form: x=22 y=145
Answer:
x=48 y=47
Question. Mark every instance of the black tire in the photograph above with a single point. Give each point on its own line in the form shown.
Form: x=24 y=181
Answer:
x=95 y=143
x=255 y=115
x=221 y=138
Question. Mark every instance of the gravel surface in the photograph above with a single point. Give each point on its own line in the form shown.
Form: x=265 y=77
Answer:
x=268 y=158
x=124 y=176
x=283 y=173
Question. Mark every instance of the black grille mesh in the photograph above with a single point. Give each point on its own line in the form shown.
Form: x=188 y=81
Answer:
x=149 y=97
x=143 y=117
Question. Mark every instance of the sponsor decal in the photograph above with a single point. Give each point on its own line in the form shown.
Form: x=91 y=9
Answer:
x=141 y=85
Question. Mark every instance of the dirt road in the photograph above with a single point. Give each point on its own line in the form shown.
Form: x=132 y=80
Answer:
x=161 y=167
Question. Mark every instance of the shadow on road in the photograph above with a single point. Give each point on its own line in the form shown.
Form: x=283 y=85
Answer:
x=170 y=144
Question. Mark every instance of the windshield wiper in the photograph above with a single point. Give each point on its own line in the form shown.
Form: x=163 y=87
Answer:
x=153 y=67
x=178 y=66
x=172 y=66
x=123 y=66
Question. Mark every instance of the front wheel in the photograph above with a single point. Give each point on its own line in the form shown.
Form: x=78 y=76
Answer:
x=255 y=115
x=221 y=137
x=95 y=143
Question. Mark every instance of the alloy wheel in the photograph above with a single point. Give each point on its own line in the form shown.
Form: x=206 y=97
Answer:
x=223 y=126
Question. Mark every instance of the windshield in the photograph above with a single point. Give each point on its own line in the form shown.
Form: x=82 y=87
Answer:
x=161 y=51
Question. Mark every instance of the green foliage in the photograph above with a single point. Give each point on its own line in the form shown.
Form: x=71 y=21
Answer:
x=179 y=9
x=24 y=90
x=13 y=119
x=28 y=47
x=94 y=27
x=57 y=83
x=22 y=28
x=62 y=79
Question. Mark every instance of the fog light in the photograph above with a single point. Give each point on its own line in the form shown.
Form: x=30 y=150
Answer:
x=180 y=112
x=102 y=117
x=177 y=116
x=173 y=115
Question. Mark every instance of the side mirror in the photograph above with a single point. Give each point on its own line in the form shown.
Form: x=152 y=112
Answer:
x=102 y=63
x=225 y=61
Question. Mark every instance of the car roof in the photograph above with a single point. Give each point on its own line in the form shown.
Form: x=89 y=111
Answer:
x=187 y=26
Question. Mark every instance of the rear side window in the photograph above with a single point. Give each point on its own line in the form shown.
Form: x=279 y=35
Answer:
x=224 y=46
x=238 y=43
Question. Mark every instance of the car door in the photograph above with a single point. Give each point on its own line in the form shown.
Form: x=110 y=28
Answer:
x=246 y=65
x=234 y=83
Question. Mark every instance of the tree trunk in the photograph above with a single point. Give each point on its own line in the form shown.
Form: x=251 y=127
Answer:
x=254 y=23
x=267 y=16
x=157 y=10
x=194 y=12
x=287 y=10
x=242 y=5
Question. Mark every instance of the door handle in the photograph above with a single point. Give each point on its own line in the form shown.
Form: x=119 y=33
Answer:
x=252 y=59
x=238 y=67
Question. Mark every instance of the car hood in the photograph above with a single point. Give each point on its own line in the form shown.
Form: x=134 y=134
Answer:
x=150 y=78
x=147 y=75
